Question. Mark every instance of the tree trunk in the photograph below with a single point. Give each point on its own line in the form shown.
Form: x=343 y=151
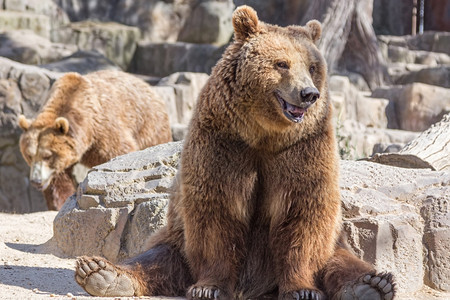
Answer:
x=431 y=149
x=348 y=39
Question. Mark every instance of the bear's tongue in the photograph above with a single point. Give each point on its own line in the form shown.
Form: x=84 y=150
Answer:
x=293 y=112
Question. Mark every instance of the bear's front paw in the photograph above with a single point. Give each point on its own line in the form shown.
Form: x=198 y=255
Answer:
x=204 y=293
x=306 y=294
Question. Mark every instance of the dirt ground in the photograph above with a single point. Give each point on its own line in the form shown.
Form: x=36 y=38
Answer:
x=31 y=267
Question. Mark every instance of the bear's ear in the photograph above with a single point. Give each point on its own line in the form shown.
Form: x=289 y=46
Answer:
x=314 y=29
x=245 y=22
x=62 y=124
x=24 y=123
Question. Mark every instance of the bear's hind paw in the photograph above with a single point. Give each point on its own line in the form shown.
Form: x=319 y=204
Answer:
x=369 y=287
x=101 y=278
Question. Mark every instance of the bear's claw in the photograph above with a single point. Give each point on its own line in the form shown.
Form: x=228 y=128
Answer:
x=204 y=293
x=305 y=294
x=371 y=287
x=101 y=278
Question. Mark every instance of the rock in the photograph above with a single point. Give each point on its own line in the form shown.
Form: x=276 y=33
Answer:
x=357 y=141
x=26 y=47
x=439 y=76
x=208 y=23
x=381 y=205
x=431 y=149
x=414 y=107
x=23 y=89
x=169 y=58
x=431 y=41
x=435 y=212
x=186 y=88
x=105 y=224
x=57 y=17
x=34 y=84
x=82 y=62
x=115 y=41
x=13 y=20
x=10 y=96
x=129 y=194
x=158 y=20
x=390 y=214
x=397 y=54
x=351 y=104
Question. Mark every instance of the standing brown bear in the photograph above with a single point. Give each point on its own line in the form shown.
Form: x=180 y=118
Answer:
x=256 y=207
x=89 y=119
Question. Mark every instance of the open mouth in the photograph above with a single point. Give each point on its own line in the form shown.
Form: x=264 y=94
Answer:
x=292 y=112
x=41 y=186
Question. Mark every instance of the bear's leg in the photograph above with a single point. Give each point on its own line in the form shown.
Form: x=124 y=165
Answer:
x=216 y=258
x=159 y=271
x=346 y=277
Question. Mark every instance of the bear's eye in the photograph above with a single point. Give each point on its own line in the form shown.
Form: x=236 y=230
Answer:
x=46 y=155
x=312 y=69
x=282 y=65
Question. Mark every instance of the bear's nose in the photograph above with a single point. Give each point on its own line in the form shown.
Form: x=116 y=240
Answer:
x=309 y=94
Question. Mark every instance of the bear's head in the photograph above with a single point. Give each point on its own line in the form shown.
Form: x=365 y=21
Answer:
x=47 y=148
x=281 y=70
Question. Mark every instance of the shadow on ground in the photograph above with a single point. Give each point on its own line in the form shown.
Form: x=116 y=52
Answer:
x=48 y=247
x=45 y=280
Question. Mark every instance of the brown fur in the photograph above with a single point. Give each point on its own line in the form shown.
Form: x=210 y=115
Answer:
x=91 y=119
x=256 y=206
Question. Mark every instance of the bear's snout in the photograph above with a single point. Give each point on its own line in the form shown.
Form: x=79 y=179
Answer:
x=40 y=175
x=309 y=95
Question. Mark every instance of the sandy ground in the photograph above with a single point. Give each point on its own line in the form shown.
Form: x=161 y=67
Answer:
x=31 y=267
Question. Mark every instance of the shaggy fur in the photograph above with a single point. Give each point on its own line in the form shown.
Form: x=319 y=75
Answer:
x=90 y=119
x=256 y=207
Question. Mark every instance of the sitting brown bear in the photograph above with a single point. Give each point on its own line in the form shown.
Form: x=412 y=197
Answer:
x=256 y=208
x=89 y=119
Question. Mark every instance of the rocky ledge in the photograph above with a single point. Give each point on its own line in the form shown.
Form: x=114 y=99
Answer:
x=396 y=218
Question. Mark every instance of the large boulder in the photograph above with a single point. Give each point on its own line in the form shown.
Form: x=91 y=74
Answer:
x=352 y=104
x=23 y=90
x=169 y=58
x=181 y=89
x=415 y=106
x=43 y=16
x=27 y=47
x=391 y=214
x=357 y=141
x=82 y=62
x=439 y=75
x=124 y=201
x=158 y=20
x=431 y=149
x=115 y=41
x=13 y=20
x=395 y=216
x=363 y=120
x=209 y=23
x=431 y=41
